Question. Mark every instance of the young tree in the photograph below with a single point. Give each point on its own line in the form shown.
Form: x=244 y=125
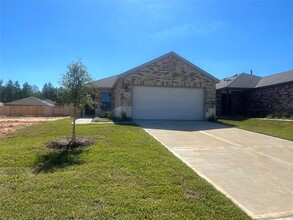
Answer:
x=73 y=84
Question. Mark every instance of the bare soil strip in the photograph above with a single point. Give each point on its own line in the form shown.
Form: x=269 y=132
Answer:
x=9 y=125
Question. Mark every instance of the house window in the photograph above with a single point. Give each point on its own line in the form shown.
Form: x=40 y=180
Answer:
x=105 y=101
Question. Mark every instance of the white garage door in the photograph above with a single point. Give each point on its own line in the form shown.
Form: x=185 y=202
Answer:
x=167 y=103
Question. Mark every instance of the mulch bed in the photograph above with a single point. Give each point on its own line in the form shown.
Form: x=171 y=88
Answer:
x=66 y=143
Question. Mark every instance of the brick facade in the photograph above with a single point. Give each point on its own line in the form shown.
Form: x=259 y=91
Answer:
x=259 y=102
x=168 y=72
x=270 y=100
x=219 y=103
x=238 y=103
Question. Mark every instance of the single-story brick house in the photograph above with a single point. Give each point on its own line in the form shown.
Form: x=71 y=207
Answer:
x=249 y=95
x=168 y=87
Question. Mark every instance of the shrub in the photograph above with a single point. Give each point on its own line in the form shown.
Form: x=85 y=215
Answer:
x=213 y=117
x=96 y=119
x=285 y=115
x=123 y=115
x=278 y=115
x=109 y=115
x=271 y=115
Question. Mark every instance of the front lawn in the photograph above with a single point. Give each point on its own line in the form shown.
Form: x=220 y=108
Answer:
x=126 y=175
x=281 y=129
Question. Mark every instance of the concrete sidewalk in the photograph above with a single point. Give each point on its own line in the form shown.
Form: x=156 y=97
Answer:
x=83 y=121
x=253 y=170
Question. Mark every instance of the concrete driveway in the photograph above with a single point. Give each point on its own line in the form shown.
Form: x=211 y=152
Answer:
x=255 y=171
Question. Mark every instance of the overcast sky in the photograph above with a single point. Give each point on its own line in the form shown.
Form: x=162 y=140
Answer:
x=39 y=38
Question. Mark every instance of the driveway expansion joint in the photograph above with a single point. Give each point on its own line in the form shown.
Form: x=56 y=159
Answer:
x=251 y=169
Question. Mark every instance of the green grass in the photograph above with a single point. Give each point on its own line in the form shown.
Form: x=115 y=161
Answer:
x=126 y=175
x=281 y=129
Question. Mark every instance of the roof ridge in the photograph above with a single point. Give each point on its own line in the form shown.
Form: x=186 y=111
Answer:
x=237 y=75
x=145 y=64
x=196 y=67
x=242 y=74
x=263 y=79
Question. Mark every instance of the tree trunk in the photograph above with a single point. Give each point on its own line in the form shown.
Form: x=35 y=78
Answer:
x=73 y=124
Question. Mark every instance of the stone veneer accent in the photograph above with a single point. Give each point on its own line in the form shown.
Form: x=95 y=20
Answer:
x=168 y=72
x=260 y=101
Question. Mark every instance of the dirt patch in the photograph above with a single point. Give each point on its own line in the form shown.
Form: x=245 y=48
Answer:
x=66 y=143
x=9 y=125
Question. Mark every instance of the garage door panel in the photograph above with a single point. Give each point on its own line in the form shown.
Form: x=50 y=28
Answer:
x=167 y=103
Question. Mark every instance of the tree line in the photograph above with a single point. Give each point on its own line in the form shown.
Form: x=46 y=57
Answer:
x=12 y=91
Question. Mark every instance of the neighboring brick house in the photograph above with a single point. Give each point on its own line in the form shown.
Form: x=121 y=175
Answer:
x=248 y=95
x=168 y=87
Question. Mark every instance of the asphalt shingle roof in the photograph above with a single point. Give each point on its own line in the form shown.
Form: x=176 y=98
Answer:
x=276 y=79
x=30 y=101
x=226 y=82
x=248 y=81
x=49 y=101
x=242 y=80
x=106 y=83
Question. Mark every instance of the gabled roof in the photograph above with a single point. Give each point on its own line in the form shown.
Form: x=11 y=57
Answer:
x=30 y=101
x=242 y=80
x=110 y=81
x=165 y=56
x=247 y=81
x=276 y=79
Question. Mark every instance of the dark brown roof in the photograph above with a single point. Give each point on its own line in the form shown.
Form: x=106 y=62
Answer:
x=30 y=101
